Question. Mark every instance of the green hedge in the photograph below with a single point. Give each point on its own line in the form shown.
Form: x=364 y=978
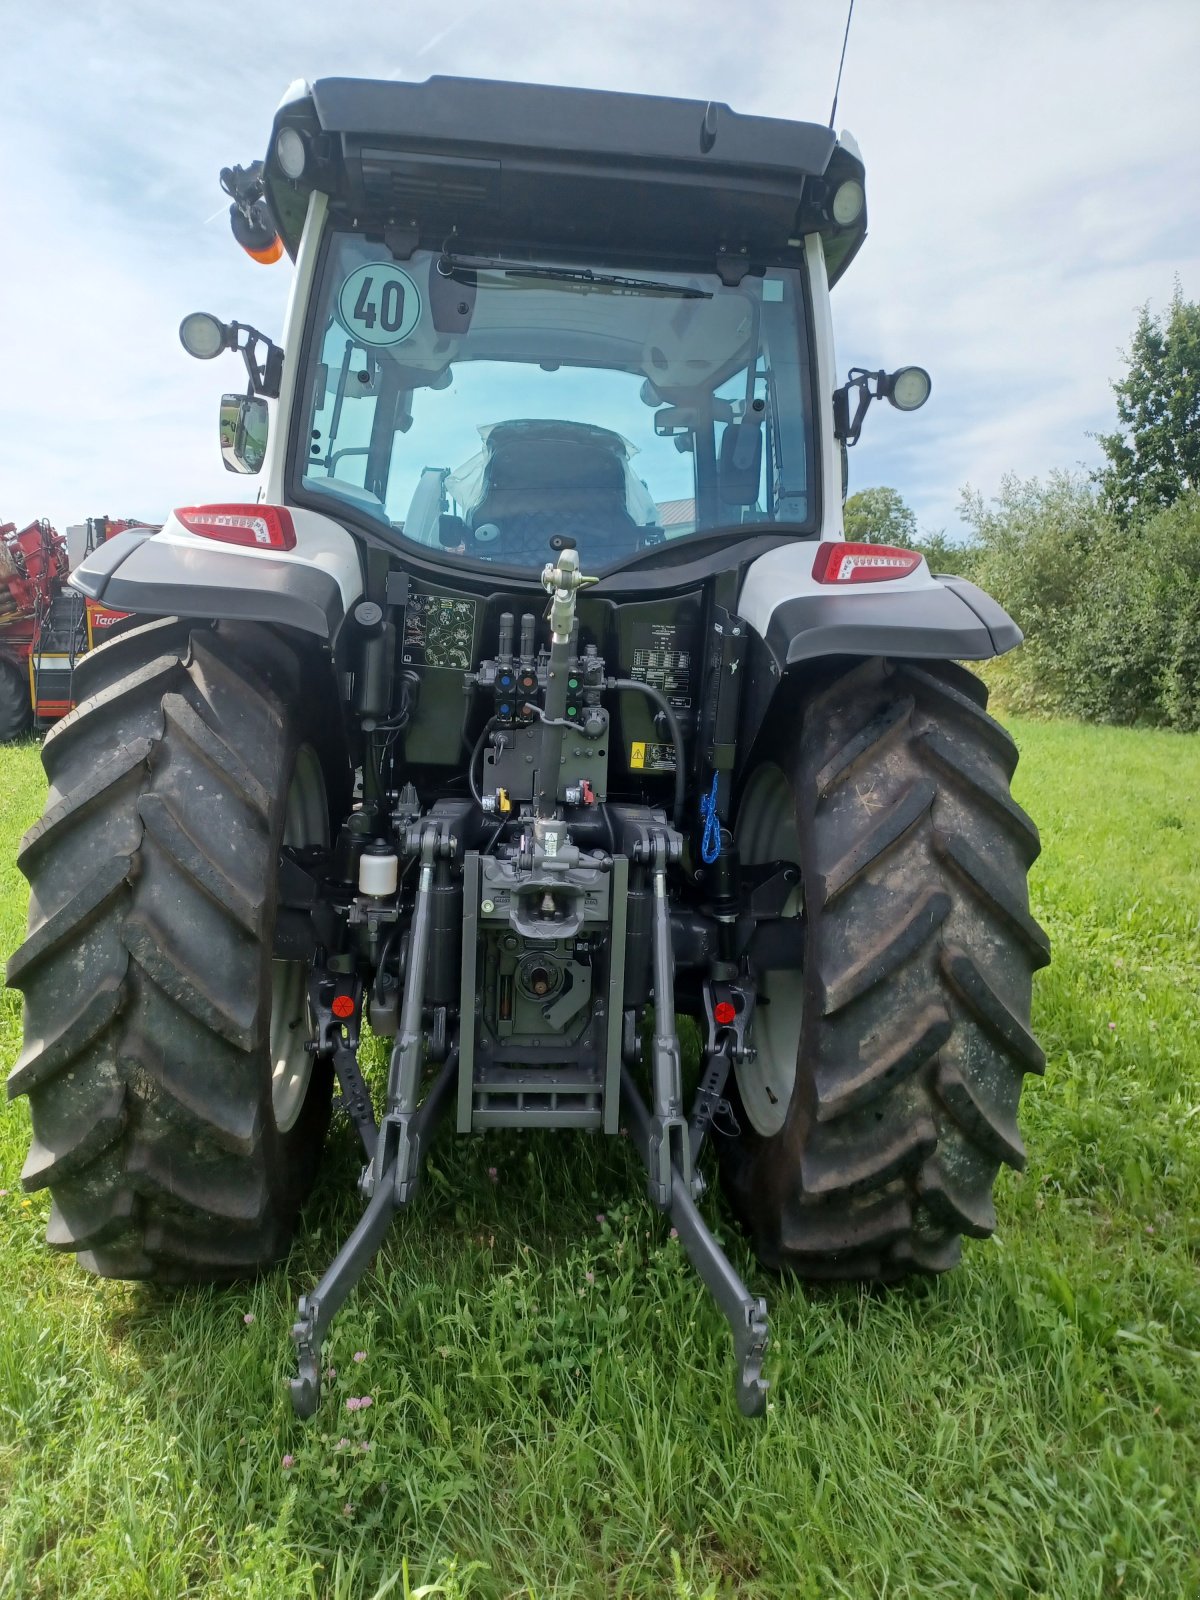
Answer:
x=1111 y=615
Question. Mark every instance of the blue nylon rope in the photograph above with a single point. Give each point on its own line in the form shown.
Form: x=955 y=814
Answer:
x=710 y=842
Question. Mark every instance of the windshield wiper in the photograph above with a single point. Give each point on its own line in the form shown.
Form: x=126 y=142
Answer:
x=574 y=277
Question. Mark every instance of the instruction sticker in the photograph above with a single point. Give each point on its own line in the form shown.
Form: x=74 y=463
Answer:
x=379 y=303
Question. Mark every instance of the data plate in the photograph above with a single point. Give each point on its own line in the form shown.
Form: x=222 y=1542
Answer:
x=662 y=663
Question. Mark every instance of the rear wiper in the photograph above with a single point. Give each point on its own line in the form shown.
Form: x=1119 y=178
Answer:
x=577 y=277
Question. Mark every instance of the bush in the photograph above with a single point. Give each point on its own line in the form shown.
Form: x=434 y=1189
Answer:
x=1111 y=615
x=947 y=555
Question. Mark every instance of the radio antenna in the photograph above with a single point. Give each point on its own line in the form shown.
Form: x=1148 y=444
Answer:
x=841 y=64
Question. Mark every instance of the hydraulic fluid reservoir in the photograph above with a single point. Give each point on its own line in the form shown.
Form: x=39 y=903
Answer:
x=378 y=870
x=353 y=837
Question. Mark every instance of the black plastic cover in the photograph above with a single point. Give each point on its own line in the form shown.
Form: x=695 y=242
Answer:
x=154 y=579
x=956 y=621
x=581 y=124
x=577 y=169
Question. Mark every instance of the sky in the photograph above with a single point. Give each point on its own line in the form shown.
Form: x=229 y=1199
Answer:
x=1032 y=181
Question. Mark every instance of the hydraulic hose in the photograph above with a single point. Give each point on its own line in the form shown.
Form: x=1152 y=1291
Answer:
x=661 y=702
x=475 y=754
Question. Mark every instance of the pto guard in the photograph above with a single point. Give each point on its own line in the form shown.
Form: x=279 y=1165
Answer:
x=918 y=615
x=175 y=573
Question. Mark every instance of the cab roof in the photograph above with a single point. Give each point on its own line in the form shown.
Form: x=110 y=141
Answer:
x=577 y=171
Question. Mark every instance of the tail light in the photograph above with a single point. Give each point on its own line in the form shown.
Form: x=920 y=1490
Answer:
x=843 y=562
x=260 y=527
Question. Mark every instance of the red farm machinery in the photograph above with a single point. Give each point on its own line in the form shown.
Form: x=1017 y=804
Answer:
x=45 y=626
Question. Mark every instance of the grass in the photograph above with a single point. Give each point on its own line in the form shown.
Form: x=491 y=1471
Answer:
x=552 y=1412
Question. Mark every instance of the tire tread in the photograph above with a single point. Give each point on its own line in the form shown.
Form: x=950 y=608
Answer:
x=920 y=951
x=146 y=977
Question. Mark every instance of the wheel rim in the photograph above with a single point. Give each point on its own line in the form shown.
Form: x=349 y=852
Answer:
x=306 y=822
x=766 y=831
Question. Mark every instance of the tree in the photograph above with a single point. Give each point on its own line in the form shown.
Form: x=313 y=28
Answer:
x=947 y=555
x=1154 y=457
x=880 y=516
x=1110 y=622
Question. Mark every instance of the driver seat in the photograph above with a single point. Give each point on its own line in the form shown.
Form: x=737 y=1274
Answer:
x=547 y=478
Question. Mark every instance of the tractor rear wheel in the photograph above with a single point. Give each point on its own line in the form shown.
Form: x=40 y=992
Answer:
x=882 y=1100
x=177 y=1118
x=16 y=707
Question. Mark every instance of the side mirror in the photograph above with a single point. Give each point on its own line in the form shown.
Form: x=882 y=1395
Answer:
x=244 y=426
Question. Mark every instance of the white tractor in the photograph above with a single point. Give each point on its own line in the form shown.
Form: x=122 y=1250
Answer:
x=536 y=702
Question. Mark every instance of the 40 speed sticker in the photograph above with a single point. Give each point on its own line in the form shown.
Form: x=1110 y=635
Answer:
x=379 y=303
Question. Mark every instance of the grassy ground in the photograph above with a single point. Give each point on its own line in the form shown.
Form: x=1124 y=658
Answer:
x=551 y=1407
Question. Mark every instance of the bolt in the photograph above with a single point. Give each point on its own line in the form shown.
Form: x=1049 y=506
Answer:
x=487 y=907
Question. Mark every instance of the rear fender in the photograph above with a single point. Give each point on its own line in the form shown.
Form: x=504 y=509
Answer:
x=919 y=616
x=175 y=573
x=796 y=623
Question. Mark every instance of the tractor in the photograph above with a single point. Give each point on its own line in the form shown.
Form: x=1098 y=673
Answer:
x=536 y=703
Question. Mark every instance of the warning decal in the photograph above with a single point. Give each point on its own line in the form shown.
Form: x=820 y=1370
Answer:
x=645 y=757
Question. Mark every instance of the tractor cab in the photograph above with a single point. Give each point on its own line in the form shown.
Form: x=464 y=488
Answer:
x=623 y=299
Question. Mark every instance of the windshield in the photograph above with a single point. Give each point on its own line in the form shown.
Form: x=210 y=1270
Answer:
x=481 y=407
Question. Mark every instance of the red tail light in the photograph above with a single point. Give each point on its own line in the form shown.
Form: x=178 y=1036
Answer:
x=863 y=563
x=261 y=527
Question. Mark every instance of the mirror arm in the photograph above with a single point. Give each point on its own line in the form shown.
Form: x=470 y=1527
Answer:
x=846 y=429
x=841 y=413
x=272 y=371
x=265 y=378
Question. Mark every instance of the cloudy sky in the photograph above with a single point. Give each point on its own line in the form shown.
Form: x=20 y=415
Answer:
x=1031 y=170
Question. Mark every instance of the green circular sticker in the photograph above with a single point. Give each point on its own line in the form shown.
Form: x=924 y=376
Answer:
x=379 y=303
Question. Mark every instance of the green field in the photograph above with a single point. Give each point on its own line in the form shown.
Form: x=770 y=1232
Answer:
x=552 y=1413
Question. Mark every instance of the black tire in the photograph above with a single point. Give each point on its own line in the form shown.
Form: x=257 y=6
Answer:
x=147 y=973
x=912 y=1034
x=16 y=706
